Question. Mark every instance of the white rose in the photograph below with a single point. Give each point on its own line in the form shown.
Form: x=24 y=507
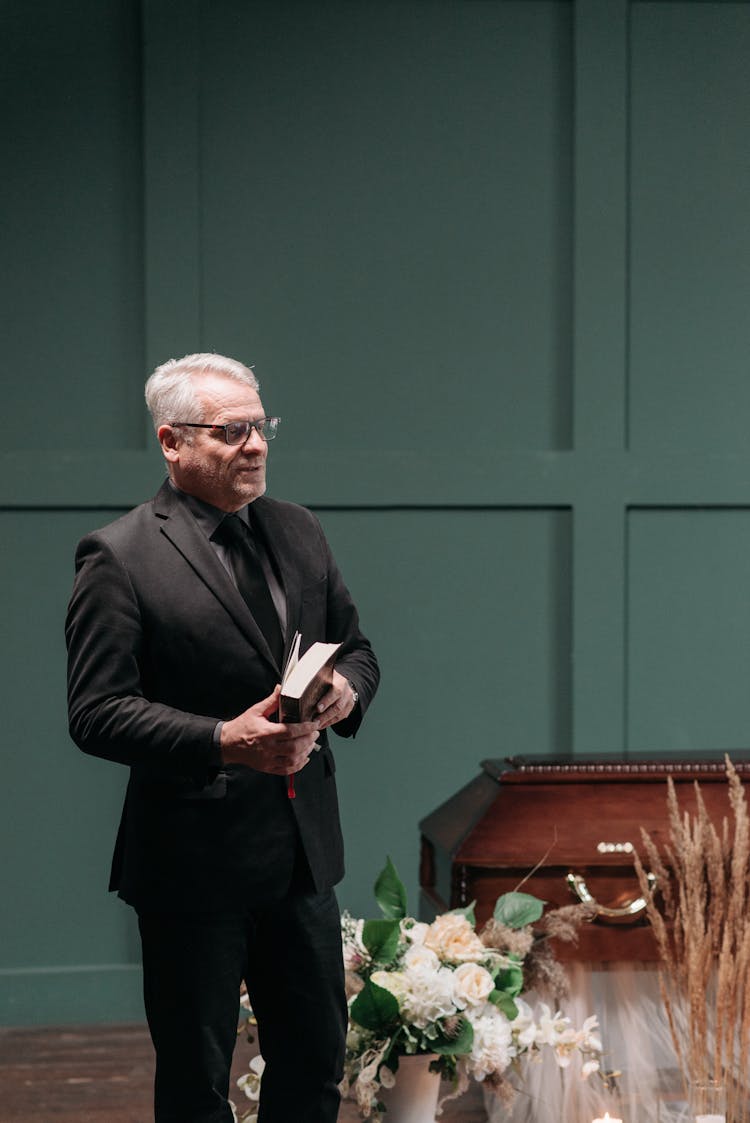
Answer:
x=452 y=937
x=415 y=932
x=420 y=958
x=472 y=985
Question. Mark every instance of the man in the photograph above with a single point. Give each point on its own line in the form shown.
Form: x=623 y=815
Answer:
x=177 y=629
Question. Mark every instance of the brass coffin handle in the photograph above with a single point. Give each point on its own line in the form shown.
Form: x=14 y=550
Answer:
x=578 y=887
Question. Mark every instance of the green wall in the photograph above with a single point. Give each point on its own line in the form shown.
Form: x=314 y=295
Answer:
x=492 y=261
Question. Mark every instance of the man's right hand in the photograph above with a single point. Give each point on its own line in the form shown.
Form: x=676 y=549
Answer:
x=268 y=746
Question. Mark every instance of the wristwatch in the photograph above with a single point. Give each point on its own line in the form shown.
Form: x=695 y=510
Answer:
x=353 y=689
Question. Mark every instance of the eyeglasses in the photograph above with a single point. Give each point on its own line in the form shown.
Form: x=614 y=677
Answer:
x=237 y=432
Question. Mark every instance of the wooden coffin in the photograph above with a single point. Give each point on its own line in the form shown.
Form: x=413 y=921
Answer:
x=579 y=821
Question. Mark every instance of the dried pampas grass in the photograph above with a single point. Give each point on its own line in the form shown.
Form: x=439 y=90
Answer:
x=703 y=938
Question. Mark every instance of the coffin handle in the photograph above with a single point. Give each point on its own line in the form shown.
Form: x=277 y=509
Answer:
x=577 y=885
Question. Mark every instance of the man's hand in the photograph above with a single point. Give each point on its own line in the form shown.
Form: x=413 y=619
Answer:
x=268 y=746
x=337 y=702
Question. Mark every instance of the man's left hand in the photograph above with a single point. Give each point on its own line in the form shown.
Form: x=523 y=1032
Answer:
x=337 y=702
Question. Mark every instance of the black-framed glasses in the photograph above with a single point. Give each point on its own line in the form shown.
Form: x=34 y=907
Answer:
x=237 y=432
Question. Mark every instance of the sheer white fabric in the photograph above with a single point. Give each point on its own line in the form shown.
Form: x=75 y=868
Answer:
x=625 y=997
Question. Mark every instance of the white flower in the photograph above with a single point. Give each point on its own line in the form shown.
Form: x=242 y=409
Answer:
x=414 y=930
x=524 y=1027
x=420 y=958
x=589 y=1041
x=588 y=1068
x=452 y=937
x=355 y=952
x=428 y=997
x=249 y=1082
x=492 y=1050
x=556 y=1030
x=472 y=985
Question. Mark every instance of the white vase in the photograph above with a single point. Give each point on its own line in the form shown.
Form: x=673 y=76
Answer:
x=414 y=1096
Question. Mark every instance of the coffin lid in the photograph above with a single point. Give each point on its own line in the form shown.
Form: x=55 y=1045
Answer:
x=523 y=810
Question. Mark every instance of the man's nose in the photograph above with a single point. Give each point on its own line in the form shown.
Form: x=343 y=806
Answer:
x=253 y=440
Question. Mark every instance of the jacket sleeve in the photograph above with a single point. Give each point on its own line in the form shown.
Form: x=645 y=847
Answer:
x=356 y=660
x=109 y=714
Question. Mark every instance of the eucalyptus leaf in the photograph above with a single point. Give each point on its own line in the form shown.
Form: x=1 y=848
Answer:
x=504 y=1002
x=375 y=1009
x=390 y=893
x=516 y=910
x=381 y=938
x=510 y=980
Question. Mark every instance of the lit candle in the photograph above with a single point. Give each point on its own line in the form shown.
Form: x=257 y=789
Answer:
x=611 y=1119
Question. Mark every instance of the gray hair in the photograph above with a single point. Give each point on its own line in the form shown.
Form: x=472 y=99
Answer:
x=170 y=391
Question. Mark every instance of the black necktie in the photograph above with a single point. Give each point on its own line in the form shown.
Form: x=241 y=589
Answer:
x=233 y=533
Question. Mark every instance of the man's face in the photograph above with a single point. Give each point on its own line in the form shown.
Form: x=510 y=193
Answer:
x=227 y=476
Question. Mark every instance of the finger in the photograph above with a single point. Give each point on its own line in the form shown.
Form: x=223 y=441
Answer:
x=340 y=709
x=269 y=705
x=293 y=731
x=330 y=698
x=283 y=765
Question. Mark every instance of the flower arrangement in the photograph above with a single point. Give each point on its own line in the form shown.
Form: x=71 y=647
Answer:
x=444 y=989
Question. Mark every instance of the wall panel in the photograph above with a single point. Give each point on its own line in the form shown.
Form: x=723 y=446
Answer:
x=387 y=216
x=690 y=246
x=72 y=229
x=59 y=930
x=688 y=630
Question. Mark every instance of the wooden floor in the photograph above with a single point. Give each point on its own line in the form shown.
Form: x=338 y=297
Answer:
x=103 y=1074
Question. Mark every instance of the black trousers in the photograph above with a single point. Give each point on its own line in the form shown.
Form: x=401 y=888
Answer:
x=289 y=953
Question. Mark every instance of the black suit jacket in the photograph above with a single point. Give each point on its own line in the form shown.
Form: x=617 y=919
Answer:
x=161 y=645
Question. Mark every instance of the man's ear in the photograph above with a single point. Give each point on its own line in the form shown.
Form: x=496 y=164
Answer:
x=170 y=440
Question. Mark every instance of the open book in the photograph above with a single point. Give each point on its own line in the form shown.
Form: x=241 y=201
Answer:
x=306 y=679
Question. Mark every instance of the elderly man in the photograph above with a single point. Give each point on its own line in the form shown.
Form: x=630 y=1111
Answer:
x=181 y=615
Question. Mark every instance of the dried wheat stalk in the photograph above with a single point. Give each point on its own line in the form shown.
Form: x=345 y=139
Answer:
x=703 y=938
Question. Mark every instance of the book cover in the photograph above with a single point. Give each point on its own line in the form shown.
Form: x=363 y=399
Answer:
x=306 y=679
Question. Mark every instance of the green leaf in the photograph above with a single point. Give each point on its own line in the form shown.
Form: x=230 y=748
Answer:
x=390 y=893
x=381 y=938
x=468 y=912
x=504 y=1002
x=454 y=1044
x=510 y=980
x=516 y=910
x=375 y=1008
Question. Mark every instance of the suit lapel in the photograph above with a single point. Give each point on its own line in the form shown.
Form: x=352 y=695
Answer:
x=180 y=528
